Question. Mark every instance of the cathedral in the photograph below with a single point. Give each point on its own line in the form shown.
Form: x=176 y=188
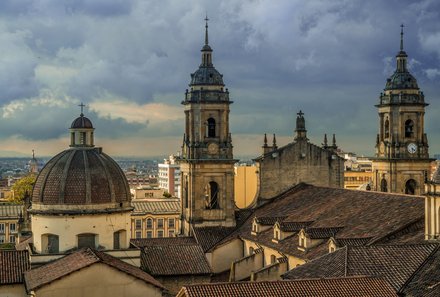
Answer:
x=401 y=163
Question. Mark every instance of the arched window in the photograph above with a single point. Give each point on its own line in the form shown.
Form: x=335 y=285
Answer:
x=86 y=240
x=410 y=187
x=211 y=195
x=50 y=243
x=383 y=185
x=409 y=128
x=387 y=128
x=149 y=223
x=211 y=127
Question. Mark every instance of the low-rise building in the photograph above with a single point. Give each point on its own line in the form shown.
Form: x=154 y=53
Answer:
x=155 y=218
x=9 y=217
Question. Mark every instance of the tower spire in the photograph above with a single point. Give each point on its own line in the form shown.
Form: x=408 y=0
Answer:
x=401 y=37
x=206 y=29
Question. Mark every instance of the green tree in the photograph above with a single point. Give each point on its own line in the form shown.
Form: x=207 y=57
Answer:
x=167 y=195
x=23 y=187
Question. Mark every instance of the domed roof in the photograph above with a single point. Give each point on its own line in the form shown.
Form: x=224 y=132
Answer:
x=82 y=177
x=81 y=122
x=401 y=80
x=207 y=76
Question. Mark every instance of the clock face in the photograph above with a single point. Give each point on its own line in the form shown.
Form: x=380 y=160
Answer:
x=212 y=148
x=412 y=148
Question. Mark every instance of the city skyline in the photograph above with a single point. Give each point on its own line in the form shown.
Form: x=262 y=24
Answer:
x=130 y=63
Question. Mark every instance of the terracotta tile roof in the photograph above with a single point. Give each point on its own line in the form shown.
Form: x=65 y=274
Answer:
x=269 y=220
x=293 y=226
x=209 y=236
x=50 y=272
x=362 y=214
x=13 y=265
x=172 y=259
x=322 y=233
x=342 y=287
x=426 y=280
x=10 y=210
x=142 y=242
x=394 y=263
x=156 y=206
x=341 y=242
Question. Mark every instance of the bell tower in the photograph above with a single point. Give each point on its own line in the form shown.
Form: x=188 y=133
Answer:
x=401 y=163
x=207 y=164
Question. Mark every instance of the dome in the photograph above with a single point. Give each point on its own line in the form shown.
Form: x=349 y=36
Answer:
x=207 y=76
x=81 y=122
x=78 y=180
x=401 y=80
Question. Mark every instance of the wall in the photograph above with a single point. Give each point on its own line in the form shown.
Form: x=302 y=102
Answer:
x=166 y=229
x=242 y=268
x=222 y=257
x=67 y=227
x=298 y=162
x=245 y=182
x=270 y=273
x=16 y=290
x=98 y=280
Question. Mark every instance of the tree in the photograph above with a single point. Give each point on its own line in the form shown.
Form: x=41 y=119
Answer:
x=23 y=187
x=167 y=195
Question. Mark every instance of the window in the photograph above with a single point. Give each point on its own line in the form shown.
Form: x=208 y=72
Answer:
x=273 y=259
x=2 y=239
x=211 y=195
x=138 y=224
x=387 y=128
x=12 y=238
x=277 y=234
x=159 y=223
x=302 y=242
x=138 y=234
x=12 y=228
x=170 y=233
x=2 y=228
x=72 y=138
x=410 y=187
x=409 y=128
x=160 y=233
x=170 y=223
x=50 y=243
x=149 y=234
x=211 y=127
x=86 y=240
x=149 y=223
x=383 y=185
x=251 y=250
x=116 y=240
x=332 y=249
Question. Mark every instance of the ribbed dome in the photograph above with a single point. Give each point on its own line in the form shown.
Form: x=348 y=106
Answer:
x=83 y=177
x=81 y=122
x=207 y=76
x=401 y=80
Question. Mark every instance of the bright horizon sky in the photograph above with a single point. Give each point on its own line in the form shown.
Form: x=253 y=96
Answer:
x=130 y=61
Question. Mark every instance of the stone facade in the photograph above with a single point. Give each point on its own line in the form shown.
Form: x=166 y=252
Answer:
x=299 y=161
x=207 y=164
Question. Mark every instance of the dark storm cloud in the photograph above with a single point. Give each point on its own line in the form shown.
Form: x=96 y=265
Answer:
x=328 y=58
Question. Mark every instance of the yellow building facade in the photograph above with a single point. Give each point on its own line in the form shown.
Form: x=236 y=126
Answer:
x=245 y=185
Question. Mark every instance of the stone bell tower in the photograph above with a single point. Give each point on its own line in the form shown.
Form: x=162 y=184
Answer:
x=207 y=164
x=401 y=163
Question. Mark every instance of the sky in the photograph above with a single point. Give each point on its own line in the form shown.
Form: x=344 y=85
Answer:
x=130 y=62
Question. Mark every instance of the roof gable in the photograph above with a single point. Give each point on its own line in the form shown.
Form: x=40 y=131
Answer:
x=76 y=261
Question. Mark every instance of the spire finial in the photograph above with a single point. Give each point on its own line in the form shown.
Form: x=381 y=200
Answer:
x=274 y=141
x=82 y=105
x=265 y=139
x=334 y=141
x=325 y=141
x=206 y=29
x=401 y=37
